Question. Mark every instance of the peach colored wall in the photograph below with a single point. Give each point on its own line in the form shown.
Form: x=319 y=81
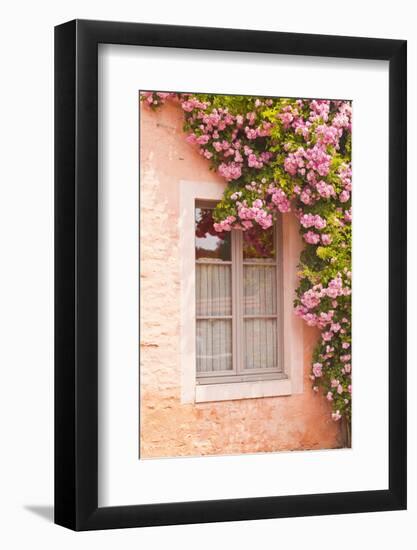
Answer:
x=167 y=427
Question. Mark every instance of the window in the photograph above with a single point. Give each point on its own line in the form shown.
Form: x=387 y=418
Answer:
x=238 y=302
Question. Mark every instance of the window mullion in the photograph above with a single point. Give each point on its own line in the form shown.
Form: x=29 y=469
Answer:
x=238 y=260
x=280 y=297
x=234 y=302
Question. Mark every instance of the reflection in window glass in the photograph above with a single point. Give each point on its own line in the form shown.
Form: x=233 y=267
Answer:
x=209 y=244
x=258 y=244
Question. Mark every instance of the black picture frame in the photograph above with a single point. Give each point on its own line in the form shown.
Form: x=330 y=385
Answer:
x=76 y=272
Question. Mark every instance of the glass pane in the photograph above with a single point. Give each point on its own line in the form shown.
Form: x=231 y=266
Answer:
x=213 y=290
x=258 y=244
x=259 y=290
x=260 y=344
x=209 y=244
x=214 y=345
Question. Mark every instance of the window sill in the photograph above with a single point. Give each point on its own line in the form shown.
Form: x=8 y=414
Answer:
x=242 y=390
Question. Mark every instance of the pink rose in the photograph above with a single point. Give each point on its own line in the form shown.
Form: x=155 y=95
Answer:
x=202 y=140
x=336 y=416
x=317 y=369
x=311 y=238
x=344 y=196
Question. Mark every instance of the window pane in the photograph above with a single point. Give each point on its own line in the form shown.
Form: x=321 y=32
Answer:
x=258 y=244
x=213 y=290
x=209 y=244
x=214 y=345
x=260 y=343
x=259 y=290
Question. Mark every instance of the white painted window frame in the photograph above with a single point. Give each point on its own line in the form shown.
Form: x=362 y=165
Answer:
x=293 y=349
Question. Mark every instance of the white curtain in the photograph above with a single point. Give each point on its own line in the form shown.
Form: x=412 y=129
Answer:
x=214 y=300
x=214 y=345
x=260 y=333
x=214 y=290
x=259 y=290
x=260 y=343
x=214 y=305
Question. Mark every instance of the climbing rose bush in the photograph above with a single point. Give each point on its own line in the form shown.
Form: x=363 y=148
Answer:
x=282 y=155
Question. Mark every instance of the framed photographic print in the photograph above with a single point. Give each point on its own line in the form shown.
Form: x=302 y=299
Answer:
x=230 y=275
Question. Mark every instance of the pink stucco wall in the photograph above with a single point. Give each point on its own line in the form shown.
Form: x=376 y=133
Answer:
x=168 y=427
